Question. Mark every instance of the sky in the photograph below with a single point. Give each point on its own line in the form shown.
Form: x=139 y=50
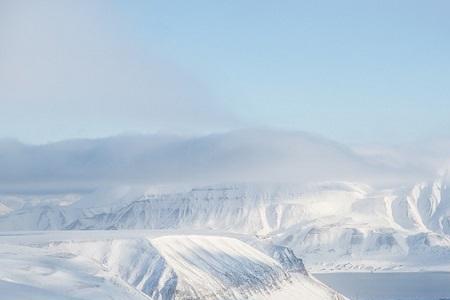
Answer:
x=357 y=72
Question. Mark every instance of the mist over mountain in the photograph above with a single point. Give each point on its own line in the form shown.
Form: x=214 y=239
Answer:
x=253 y=155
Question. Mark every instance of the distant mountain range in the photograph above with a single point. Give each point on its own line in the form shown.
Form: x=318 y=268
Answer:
x=331 y=225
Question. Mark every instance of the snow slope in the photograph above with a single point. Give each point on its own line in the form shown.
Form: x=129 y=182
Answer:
x=145 y=265
x=332 y=226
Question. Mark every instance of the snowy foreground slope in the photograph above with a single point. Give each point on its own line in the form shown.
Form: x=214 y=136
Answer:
x=332 y=226
x=148 y=265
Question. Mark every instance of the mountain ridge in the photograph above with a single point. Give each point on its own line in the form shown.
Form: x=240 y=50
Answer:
x=349 y=223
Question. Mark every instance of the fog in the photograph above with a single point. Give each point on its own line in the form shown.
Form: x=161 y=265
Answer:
x=241 y=156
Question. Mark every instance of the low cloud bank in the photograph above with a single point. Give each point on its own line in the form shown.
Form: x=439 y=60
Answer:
x=234 y=157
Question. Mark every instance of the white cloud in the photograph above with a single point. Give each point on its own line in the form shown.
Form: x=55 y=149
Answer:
x=71 y=69
x=234 y=157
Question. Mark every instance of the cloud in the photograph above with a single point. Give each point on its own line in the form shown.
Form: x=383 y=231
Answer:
x=254 y=155
x=74 y=69
x=427 y=157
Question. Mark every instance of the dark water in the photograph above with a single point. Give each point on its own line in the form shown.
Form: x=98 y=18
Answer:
x=390 y=286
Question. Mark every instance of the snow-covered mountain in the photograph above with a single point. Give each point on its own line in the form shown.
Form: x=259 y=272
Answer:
x=148 y=265
x=334 y=225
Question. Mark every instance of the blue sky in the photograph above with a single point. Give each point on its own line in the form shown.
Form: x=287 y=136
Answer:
x=353 y=71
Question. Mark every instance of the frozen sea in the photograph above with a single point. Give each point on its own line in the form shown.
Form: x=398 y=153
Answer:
x=390 y=286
